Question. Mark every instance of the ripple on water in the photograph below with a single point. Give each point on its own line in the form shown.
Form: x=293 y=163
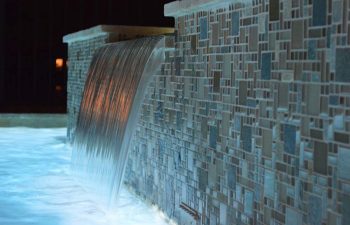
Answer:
x=36 y=187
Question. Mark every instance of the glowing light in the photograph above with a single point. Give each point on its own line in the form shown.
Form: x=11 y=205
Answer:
x=58 y=88
x=59 y=63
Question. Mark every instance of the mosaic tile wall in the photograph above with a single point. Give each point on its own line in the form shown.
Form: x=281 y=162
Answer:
x=248 y=121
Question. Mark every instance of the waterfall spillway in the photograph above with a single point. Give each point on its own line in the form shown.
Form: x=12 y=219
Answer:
x=113 y=94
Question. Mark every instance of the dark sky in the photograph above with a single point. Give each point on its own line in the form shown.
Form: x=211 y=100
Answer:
x=31 y=34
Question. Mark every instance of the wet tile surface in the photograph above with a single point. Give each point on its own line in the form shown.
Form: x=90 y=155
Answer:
x=255 y=104
x=342 y=65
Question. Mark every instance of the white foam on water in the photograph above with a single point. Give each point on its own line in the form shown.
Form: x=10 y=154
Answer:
x=37 y=188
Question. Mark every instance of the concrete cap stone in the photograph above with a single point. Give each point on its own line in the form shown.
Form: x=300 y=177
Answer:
x=185 y=7
x=115 y=30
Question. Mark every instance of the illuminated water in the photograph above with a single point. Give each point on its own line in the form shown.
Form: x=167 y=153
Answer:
x=36 y=186
x=115 y=86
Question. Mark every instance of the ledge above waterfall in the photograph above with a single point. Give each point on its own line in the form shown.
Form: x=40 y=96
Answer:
x=117 y=32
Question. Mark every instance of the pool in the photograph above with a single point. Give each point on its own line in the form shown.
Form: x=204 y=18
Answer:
x=36 y=186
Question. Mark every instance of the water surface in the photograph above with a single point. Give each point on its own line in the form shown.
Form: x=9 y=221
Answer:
x=36 y=186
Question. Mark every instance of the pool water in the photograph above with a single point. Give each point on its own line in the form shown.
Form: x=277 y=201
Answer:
x=36 y=186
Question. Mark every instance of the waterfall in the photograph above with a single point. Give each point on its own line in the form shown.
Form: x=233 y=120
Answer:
x=112 y=98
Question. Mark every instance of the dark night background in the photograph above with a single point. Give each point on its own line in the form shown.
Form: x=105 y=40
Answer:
x=31 y=34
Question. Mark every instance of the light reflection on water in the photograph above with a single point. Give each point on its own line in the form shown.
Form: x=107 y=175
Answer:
x=36 y=187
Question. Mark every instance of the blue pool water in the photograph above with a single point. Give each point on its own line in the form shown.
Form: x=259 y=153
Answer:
x=36 y=186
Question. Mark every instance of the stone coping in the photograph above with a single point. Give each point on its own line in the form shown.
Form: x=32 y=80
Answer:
x=115 y=29
x=33 y=120
x=185 y=7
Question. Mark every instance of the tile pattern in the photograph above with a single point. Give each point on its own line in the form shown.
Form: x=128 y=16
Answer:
x=252 y=110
